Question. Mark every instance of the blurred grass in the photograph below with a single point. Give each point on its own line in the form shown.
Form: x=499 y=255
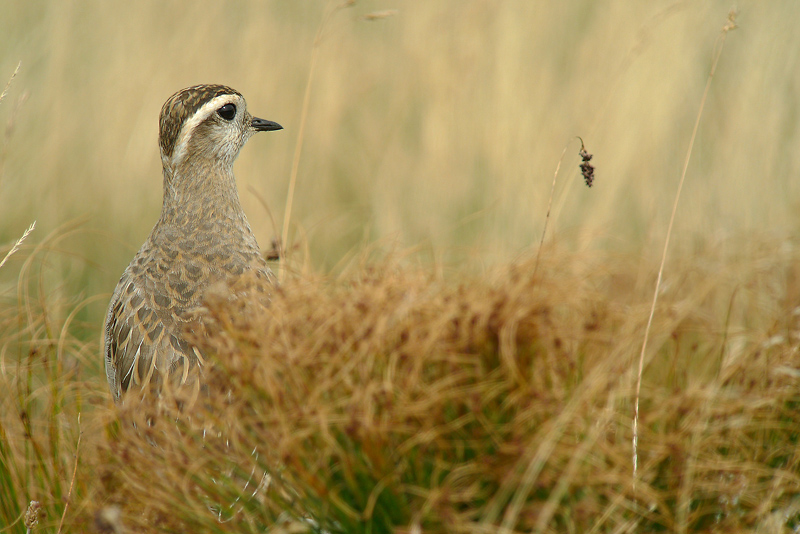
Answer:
x=437 y=128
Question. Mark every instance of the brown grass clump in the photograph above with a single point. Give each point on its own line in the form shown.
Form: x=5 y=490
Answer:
x=392 y=401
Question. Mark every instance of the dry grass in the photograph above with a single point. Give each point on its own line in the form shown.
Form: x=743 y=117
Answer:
x=399 y=394
x=48 y=377
x=392 y=400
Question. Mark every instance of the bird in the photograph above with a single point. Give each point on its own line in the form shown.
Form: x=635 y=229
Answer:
x=202 y=239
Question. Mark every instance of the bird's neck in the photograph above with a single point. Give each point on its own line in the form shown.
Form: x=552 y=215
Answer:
x=197 y=192
x=200 y=189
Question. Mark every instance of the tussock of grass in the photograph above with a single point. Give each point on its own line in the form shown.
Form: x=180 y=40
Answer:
x=392 y=401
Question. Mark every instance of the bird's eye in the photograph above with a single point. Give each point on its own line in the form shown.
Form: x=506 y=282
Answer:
x=227 y=112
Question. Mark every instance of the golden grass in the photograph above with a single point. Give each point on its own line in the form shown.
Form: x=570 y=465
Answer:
x=438 y=126
x=403 y=395
x=391 y=399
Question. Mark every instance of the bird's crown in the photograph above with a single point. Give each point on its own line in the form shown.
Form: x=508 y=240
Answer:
x=186 y=109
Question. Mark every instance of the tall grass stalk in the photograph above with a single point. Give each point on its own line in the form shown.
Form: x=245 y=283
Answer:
x=298 y=148
x=549 y=205
x=730 y=24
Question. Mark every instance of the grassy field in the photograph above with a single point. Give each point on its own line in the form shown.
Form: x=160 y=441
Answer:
x=426 y=366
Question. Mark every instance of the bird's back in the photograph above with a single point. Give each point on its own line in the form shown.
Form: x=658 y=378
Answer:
x=157 y=298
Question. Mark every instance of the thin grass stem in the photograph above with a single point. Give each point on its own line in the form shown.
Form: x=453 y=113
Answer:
x=729 y=25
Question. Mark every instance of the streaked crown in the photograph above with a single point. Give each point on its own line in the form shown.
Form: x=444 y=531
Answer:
x=183 y=106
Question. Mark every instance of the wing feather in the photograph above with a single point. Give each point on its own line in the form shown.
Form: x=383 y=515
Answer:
x=159 y=293
x=142 y=338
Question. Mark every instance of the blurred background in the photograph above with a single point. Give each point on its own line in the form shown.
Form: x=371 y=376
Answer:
x=432 y=125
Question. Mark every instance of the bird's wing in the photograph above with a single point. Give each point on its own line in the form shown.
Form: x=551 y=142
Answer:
x=143 y=337
x=160 y=293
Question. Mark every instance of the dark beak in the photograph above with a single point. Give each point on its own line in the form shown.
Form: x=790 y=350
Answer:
x=261 y=125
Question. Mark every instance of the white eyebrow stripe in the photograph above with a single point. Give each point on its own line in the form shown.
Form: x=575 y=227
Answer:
x=200 y=115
